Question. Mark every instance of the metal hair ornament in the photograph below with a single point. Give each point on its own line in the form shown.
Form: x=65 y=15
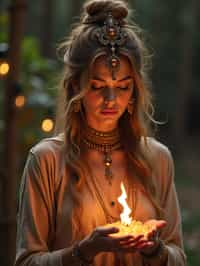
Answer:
x=112 y=36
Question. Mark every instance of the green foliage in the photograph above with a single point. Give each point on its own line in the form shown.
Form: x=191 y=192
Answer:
x=193 y=257
x=3 y=27
x=192 y=223
x=188 y=188
x=39 y=80
x=34 y=66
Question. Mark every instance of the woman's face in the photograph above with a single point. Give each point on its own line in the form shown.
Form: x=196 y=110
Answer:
x=106 y=99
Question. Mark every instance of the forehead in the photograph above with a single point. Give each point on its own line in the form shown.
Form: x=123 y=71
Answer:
x=100 y=68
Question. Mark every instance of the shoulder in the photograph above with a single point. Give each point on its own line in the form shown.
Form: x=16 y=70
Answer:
x=48 y=147
x=160 y=158
x=48 y=154
x=46 y=159
x=156 y=150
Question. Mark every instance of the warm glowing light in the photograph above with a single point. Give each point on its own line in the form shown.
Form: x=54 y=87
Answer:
x=47 y=125
x=20 y=101
x=125 y=218
x=127 y=225
x=4 y=68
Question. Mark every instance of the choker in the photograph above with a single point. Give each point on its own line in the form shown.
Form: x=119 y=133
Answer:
x=105 y=142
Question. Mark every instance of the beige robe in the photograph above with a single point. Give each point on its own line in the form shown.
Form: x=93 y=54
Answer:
x=45 y=207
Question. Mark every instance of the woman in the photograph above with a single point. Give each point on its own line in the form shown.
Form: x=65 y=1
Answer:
x=71 y=182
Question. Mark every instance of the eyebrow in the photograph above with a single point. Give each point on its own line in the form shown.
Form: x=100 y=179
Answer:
x=123 y=79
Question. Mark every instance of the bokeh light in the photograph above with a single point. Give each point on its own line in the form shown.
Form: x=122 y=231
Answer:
x=4 y=68
x=20 y=101
x=47 y=125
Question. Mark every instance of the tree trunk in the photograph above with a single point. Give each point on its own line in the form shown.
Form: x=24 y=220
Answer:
x=9 y=184
x=47 y=28
x=185 y=80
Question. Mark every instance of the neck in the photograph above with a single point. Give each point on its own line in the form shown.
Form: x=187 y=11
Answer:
x=103 y=141
x=103 y=127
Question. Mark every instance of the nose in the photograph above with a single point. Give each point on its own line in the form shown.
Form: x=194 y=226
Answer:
x=109 y=94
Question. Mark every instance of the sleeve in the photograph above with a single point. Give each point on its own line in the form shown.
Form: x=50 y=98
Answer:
x=35 y=222
x=172 y=233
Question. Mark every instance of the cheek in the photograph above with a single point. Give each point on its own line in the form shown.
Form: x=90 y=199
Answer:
x=91 y=101
x=124 y=99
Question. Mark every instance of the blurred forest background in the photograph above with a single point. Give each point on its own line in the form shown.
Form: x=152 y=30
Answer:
x=29 y=74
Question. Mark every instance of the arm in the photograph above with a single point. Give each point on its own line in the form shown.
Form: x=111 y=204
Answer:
x=172 y=233
x=35 y=221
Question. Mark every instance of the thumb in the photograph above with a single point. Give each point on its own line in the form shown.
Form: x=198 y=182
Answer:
x=108 y=230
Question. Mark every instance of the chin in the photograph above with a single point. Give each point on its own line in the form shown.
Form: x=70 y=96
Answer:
x=108 y=118
x=108 y=121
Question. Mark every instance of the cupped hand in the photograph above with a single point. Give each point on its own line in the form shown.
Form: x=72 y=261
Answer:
x=148 y=243
x=152 y=238
x=100 y=240
x=156 y=226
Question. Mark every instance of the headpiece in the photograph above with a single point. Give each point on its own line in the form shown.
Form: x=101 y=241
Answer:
x=112 y=35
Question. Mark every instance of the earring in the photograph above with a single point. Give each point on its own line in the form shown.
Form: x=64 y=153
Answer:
x=130 y=107
x=77 y=106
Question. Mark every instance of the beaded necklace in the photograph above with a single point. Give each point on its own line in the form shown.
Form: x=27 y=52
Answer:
x=105 y=142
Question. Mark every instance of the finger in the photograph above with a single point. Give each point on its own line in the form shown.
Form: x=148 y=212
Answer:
x=155 y=223
x=133 y=244
x=145 y=245
x=131 y=240
x=116 y=243
x=133 y=247
x=138 y=237
x=160 y=224
x=152 y=235
x=106 y=231
x=122 y=238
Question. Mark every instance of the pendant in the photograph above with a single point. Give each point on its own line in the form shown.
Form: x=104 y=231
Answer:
x=108 y=171
x=112 y=203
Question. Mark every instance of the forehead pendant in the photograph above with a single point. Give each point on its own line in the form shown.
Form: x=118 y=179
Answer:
x=112 y=36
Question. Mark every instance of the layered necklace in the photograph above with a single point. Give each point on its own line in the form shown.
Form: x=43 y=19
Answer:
x=105 y=142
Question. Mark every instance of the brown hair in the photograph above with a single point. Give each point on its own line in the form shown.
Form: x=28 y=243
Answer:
x=80 y=48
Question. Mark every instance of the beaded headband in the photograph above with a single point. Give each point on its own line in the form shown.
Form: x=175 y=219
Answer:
x=112 y=36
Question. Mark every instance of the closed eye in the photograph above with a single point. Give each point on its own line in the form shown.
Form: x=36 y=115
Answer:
x=95 y=88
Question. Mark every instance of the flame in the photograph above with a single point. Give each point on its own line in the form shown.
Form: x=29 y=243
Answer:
x=125 y=218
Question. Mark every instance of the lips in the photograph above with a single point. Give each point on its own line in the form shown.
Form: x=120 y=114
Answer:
x=109 y=111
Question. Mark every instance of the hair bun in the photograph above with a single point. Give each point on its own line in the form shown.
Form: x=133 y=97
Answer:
x=96 y=11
